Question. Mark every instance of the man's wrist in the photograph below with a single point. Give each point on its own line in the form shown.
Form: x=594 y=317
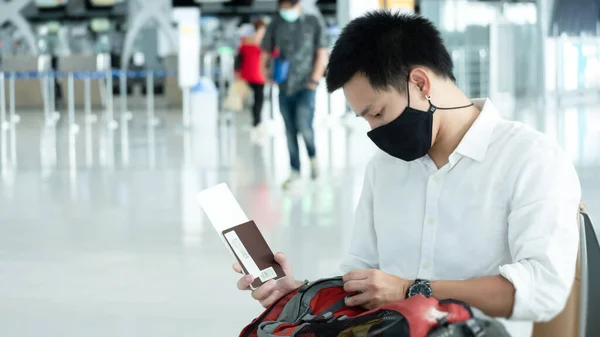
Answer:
x=419 y=287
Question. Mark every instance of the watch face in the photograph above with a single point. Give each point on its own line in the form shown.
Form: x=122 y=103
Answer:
x=420 y=288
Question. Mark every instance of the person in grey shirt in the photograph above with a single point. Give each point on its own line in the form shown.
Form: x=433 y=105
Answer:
x=301 y=39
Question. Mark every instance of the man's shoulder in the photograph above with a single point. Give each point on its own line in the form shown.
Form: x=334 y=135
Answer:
x=525 y=136
x=524 y=143
x=313 y=19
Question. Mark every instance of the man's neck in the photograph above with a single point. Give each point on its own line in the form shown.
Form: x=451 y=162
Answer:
x=453 y=126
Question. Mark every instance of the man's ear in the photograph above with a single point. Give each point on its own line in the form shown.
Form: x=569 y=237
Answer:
x=420 y=77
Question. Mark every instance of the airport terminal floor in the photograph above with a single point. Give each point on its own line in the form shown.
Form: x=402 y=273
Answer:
x=124 y=250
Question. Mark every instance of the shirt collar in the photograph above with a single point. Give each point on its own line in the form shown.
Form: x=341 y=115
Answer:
x=477 y=139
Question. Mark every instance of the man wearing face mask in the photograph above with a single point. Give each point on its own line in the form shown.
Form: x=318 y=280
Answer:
x=459 y=203
x=301 y=39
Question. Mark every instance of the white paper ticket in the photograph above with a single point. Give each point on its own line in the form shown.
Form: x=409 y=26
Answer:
x=222 y=209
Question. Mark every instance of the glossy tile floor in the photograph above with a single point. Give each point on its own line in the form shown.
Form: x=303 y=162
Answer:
x=91 y=246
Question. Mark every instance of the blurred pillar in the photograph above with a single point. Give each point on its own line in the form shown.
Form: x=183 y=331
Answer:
x=544 y=24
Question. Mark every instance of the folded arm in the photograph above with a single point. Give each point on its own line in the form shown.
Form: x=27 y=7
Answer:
x=543 y=238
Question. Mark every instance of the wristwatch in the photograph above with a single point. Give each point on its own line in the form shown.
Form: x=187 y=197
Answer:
x=422 y=287
x=312 y=81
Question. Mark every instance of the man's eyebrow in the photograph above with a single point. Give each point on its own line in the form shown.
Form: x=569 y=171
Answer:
x=365 y=111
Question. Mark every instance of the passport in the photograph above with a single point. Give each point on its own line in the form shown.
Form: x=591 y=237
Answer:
x=241 y=236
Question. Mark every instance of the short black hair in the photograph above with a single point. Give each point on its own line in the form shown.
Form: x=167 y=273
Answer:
x=386 y=46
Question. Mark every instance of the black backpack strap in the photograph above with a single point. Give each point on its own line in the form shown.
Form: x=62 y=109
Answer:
x=590 y=291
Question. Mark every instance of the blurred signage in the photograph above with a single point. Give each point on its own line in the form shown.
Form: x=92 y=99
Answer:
x=49 y=3
x=188 y=20
x=104 y=3
x=100 y=25
x=397 y=4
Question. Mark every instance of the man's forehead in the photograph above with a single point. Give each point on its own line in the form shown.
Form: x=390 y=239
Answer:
x=360 y=97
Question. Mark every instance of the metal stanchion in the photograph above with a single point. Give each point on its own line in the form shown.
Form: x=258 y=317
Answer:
x=151 y=119
x=187 y=119
x=3 y=123
x=187 y=150
x=150 y=98
x=52 y=92
x=46 y=96
x=126 y=116
x=110 y=117
x=89 y=120
x=111 y=123
x=14 y=119
x=73 y=127
x=48 y=154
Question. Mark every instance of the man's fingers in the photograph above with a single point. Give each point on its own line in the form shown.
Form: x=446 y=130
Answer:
x=370 y=306
x=356 y=275
x=237 y=268
x=244 y=282
x=355 y=286
x=264 y=291
x=267 y=302
x=359 y=300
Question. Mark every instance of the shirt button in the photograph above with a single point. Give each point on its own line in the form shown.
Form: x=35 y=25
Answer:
x=430 y=221
x=426 y=265
x=436 y=179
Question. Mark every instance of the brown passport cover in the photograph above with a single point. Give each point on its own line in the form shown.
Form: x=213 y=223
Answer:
x=257 y=248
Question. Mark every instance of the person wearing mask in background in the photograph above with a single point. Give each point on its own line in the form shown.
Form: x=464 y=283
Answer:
x=459 y=203
x=251 y=71
x=301 y=39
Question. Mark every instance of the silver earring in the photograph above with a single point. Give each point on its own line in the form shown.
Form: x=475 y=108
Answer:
x=428 y=97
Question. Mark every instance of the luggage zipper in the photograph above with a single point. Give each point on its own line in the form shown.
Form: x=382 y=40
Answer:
x=300 y=317
x=259 y=319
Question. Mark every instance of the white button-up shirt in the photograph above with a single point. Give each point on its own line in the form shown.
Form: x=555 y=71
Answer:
x=506 y=203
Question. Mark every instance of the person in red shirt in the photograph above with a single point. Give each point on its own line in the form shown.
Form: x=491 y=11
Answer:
x=250 y=70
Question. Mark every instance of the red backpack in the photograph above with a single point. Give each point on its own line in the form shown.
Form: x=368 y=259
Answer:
x=318 y=309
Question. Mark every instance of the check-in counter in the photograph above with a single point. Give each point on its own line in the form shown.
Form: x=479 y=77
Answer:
x=82 y=63
x=28 y=91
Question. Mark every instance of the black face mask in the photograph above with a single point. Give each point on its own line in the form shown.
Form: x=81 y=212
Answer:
x=408 y=137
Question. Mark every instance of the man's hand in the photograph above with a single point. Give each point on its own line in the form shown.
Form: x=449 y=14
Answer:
x=272 y=290
x=374 y=287
x=312 y=85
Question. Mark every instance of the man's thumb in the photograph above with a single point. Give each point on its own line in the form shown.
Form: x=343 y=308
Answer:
x=283 y=262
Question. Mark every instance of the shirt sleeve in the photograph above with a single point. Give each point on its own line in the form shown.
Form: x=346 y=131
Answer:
x=543 y=235
x=362 y=252
x=321 y=40
x=268 y=42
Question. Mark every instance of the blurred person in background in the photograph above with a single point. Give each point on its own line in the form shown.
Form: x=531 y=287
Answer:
x=249 y=69
x=301 y=39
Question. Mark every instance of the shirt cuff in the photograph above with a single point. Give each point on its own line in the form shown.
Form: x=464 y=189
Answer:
x=538 y=296
x=519 y=277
